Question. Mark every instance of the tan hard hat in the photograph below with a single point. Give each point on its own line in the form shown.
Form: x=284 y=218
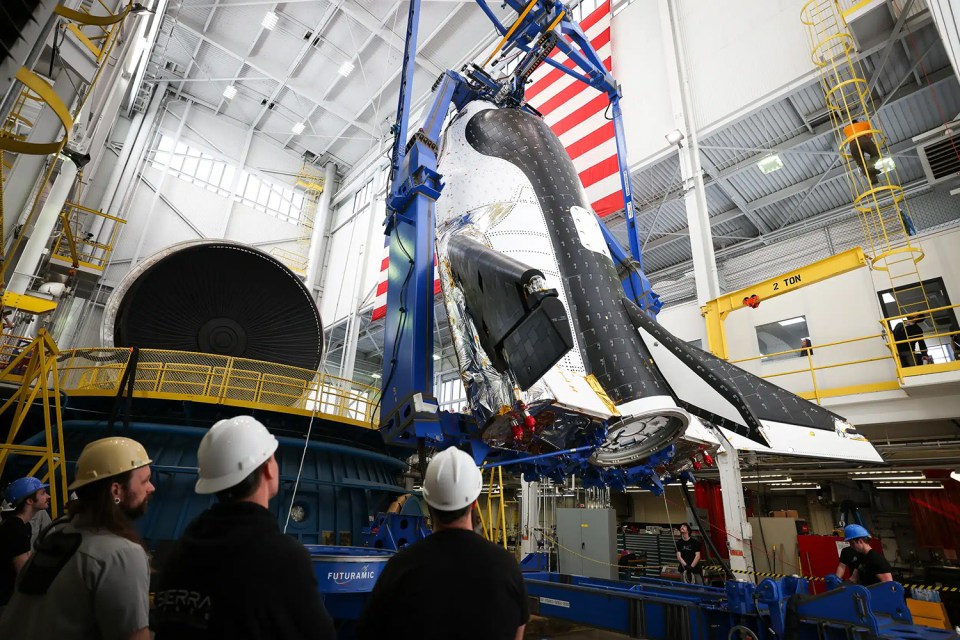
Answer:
x=108 y=457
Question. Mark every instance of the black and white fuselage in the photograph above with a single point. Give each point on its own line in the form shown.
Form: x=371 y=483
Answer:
x=509 y=184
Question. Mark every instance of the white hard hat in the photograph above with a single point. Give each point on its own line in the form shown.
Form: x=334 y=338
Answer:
x=231 y=451
x=452 y=481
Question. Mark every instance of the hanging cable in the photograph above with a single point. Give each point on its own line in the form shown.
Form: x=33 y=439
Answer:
x=706 y=538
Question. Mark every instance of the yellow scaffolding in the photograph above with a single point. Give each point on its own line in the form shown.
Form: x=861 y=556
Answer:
x=311 y=181
x=33 y=368
x=217 y=379
x=72 y=247
x=875 y=188
x=495 y=531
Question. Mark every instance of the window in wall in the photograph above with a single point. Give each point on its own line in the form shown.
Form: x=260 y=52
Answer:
x=451 y=395
x=202 y=169
x=193 y=165
x=944 y=347
x=784 y=335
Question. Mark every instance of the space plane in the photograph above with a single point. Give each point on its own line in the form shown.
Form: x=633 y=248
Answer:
x=551 y=350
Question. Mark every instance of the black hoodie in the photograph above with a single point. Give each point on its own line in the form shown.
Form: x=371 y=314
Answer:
x=234 y=574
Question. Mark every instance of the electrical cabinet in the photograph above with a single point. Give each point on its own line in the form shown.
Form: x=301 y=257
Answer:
x=588 y=542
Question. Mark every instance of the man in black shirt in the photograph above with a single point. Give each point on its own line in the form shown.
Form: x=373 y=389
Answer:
x=688 y=553
x=26 y=497
x=453 y=583
x=904 y=334
x=849 y=560
x=233 y=574
x=873 y=567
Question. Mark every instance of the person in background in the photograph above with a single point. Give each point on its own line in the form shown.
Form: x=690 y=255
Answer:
x=873 y=567
x=689 y=554
x=25 y=498
x=40 y=521
x=806 y=348
x=453 y=583
x=89 y=576
x=849 y=559
x=247 y=579
x=862 y=146
x=904 y=334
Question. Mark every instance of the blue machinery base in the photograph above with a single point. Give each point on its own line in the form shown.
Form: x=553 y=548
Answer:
x=783 y=609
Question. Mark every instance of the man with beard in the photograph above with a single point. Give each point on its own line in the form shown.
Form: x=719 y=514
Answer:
x=89 y=576
x=26 y=497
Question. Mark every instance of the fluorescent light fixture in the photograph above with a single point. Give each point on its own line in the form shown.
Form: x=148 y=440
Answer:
x=770 y=164
x=436 y=356
x=893 y=474
x=230 y=92
x=345 y=69
x=375 y=376
x=766 y=480
x=885 y=165
x=888 y=298
x=675 y=137
x=270 y=20
x=798 y=320
x=909 y=484
x=798 y=486
x=955 y=475
x=298 y=128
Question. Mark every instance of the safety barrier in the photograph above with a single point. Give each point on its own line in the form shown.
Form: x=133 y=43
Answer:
x=216 y=379
x=946 y=358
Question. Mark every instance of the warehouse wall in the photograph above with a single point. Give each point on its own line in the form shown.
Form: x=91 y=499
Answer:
x=739 y=54
x=194 y=212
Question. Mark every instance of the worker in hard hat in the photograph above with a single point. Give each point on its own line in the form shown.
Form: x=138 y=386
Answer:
x=453 y=583
x=862 y=146
x=246 y=579
x=89 y=576
x=873 y=567
x=24 y=498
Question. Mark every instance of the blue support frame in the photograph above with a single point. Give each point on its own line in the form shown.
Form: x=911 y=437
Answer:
x=409 y=412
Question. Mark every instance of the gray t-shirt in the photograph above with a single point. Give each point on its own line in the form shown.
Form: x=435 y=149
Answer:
x=102 y=593
x=40 y=521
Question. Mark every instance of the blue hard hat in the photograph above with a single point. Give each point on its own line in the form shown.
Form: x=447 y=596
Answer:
x=854 y=531
x=22 y=488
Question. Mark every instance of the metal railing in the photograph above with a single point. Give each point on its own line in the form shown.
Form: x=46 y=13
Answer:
x=215 y=379
x=888 y=349
x=73 y=247
x=912 y=363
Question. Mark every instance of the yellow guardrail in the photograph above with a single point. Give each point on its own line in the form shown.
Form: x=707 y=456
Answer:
x=910 y=362
x=215 y=379
x=897 y=351
x=83 y=251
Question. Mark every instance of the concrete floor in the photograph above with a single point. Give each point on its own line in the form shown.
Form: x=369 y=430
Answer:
x=592 y=634
x=544 y=629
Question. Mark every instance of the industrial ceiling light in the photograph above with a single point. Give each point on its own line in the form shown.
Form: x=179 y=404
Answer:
x=798 y=320
x=270 y=20
x=766 y=479
x=675 y=137
x=436 y=356
x=375 y=376
x=885 y=165
x=955 y=475
x=892 y=474
x=798 y=486
x=345 y=69
x=770 y=164
x=914 y=484
x=298 y=128
x=230 y=92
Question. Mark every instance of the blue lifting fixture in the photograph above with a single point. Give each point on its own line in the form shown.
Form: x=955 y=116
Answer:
x=410 y=413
